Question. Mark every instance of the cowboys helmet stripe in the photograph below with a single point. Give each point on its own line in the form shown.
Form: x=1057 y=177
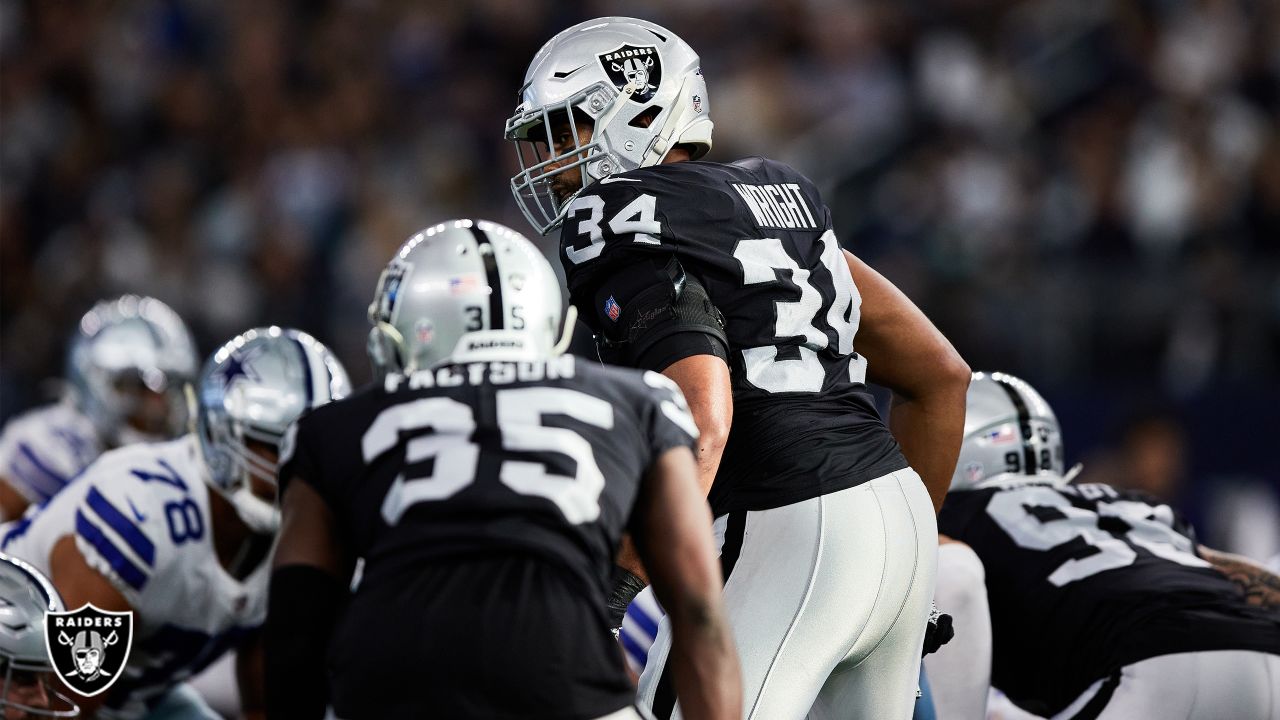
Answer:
x=308 y=377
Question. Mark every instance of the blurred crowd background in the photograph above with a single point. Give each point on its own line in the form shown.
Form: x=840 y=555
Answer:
x=1082 y=192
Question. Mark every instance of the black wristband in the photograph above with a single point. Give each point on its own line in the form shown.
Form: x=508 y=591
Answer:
x=302 y=608
x=626 y=585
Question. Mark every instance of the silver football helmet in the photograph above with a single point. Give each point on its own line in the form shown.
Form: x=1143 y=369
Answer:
x=464 y=290
x=127 y=365
x=29 y=684
x=251 y=390
x=1010 y=433
x=617 y=72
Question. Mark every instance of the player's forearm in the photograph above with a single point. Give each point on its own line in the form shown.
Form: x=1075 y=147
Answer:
x=12 y=502
x=707 y=677
x=1260 y=586
x=251 y=678
x=704 y=380
x=929 y=430
x=709 y=454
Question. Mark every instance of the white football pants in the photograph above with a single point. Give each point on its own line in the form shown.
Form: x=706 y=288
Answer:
x=1235 y=684
x=828 y=599
x=960 y=672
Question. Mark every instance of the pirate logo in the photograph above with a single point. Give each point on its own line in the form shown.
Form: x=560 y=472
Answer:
x=88 y=647
x=637 y=67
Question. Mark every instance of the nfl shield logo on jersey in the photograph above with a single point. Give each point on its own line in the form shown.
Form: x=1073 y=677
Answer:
x=88 y=647
x=640 y=66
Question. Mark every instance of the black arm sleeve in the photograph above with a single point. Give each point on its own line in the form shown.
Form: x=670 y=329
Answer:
x=302 y=609
x=653 y=314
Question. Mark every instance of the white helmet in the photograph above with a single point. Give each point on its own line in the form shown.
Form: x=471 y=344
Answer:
x=464 y=290
x=252 y=389
x=1010 y=434
x=26 y=596
x=617 y=71
x=122 y=347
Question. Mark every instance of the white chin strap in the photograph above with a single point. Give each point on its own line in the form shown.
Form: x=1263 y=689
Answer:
x=566 y=332
x=1073 y=472
x=261 y=516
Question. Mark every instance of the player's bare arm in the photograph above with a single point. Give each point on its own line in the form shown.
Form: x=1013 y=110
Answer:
x=251 y=678
x=12 y=502
x=704 y=380
x=1260 y=586
x=911 y=357
x=675 y=544
x=79 y=583
x=307 y=581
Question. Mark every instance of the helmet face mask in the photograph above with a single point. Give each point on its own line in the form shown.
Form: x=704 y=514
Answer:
x=640 y=85
x=540 y=164
x=127 y=365
x=251 y=391
x=1011 y=435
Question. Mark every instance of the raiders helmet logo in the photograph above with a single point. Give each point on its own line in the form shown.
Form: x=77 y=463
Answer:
x=88 y=647
x=640 y=67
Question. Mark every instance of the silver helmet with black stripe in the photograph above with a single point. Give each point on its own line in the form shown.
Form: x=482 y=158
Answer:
x=637 y=83
x=251 y=391
x=460 y=291
x=1010 y=433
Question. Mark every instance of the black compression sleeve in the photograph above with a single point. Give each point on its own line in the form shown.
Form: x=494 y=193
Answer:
x=302 y=609
x=668 y=349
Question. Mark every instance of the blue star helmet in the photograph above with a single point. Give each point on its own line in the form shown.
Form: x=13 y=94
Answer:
x=251 y=390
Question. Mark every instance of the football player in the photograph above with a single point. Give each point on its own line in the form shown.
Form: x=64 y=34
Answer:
x=486 y=483
x=179 y=532
x=729 y=279
x=1102 y=603
x=30 y=687
x=129 y=360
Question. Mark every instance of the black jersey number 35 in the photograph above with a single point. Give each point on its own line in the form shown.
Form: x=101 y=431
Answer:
x=519 y=413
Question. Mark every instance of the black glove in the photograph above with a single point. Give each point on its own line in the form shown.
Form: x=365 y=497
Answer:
x=938 y=632
x=626 y=585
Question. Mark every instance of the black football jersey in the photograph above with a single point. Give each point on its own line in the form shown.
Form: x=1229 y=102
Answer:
x=491 y=459
x=756 y=235
x=1085 y=579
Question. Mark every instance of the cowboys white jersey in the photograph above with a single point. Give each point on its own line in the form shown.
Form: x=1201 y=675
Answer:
x=41 y=450
x=140 y=516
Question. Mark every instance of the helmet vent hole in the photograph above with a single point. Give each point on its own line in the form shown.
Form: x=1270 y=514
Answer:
x=646 y=118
